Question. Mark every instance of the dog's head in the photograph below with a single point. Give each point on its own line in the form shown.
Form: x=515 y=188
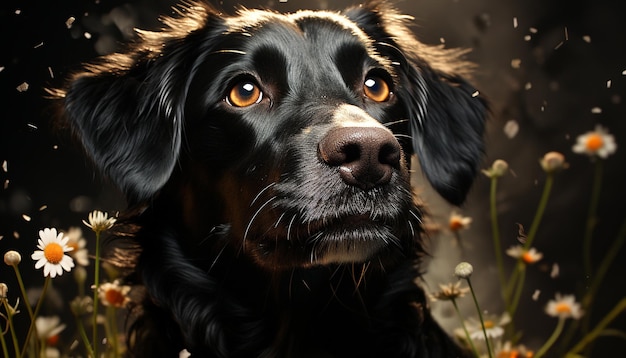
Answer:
x=291 y=132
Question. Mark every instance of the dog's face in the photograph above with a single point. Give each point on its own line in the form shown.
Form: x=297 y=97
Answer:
x=291 y=133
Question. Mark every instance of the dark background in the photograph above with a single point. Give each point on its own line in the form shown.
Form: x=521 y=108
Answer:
x=568 y=52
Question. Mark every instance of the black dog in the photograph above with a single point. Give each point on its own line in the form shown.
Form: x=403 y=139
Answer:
x=266 y=157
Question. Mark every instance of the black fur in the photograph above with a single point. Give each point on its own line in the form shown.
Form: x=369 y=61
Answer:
x=254 y=233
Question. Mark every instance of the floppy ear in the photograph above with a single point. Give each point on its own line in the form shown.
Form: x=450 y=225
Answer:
x=127 y=109
x=446 y=116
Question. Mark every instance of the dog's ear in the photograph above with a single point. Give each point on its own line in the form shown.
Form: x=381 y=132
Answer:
x=446 y=114
x=127 y=108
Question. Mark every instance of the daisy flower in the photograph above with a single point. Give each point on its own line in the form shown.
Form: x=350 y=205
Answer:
x=510 y=351
x=49 y=328
x=79 y=246
x=494 y=327
x=99 y=221
x=458 y=222
x=449 y=292
x=596 y=143
x=530 y=256
x=564 y=307
x=51 y=254
x=113 y=294
x=497 y=169
x=553 y=162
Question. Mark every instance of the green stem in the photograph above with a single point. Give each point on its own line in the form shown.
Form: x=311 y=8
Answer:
x=5 y=349
x=16 y=344
x=83 y=335
x=94 y=335
x=555 y=335
x=495 y=233
x=467 y=336
x=114 y=337
x=541 y=208
x=518 y=290
x=480 y=315
x=621 y=306
x=591 y=217
x=23 y=291
x=32 y=326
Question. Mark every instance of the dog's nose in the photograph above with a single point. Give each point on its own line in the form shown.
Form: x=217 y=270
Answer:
x=365 y=156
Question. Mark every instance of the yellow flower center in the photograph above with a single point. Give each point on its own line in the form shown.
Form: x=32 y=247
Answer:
x=455 y=224
x=594 y=142
x=489 y=324
x=114 y=297
x=53 y=253
x=563 y=308
x=528 y=258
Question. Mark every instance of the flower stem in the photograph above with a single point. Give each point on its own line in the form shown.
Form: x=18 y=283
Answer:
x=591 y=217
x=20 y=282
x=555 y=335
x=5 y=349
x=16 y=344
x=518 y=290
x=467 y=336
x=480 y=315
x=94 y=335
x=619 y=308
x=541 y=208
x=33 y=327
x=83 y=335
x=495 y=233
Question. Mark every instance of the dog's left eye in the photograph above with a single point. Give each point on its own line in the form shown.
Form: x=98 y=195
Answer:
x=376 y=89
x=244 y=94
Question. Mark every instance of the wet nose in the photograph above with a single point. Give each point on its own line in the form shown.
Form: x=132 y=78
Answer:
x=365 y=156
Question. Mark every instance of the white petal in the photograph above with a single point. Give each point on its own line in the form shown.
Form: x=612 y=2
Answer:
x=46 y=269
x=37 y=255
x=42 y=261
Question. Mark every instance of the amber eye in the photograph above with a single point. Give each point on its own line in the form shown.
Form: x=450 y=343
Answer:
x=244 y=94
x=376 y=89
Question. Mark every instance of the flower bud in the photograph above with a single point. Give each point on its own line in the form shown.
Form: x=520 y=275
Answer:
x=553 y=162
x=12 y=258
x=498 y=169
x=463 y=270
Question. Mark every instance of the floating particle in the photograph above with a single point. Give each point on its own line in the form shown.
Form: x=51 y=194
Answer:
x=16 y=234
x=5 y=166
x=43 y=207
x=528 y=86
x=516 y=63
x=536 y=295
x=555 y=271
x=624 y=72
x=70 y=21
x=6 y=184
x=527 y=38
x=38 y=45
x=566 y=34
x=511 y=128
x=32 y=126
x=1 y=68
x=515 y=22
x=55 y=147
x=26 y=217
x=87 y=35
x=442 y=40
x=596 y=110
x=608 y=84
x=283 y=1
x=587 y=39
x=23 y=87
x=475 y=94
x=50 y=72
x=558 y=45
x=18 y=11
x=532 y=30
x=1 y=237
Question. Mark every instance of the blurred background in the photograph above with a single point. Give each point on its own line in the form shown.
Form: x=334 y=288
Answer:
x=552 y=70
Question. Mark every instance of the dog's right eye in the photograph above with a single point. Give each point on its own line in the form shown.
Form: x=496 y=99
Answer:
x=244 y=94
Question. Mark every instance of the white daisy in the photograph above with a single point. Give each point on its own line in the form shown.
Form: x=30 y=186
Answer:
x=596 y=143
x=494 y=327
x=114 y=294
x=49 y=328
x=458 y=222
x=79 y=246
x=564 y=307
x=51 y=254
x=529 y=256
x=99 y=221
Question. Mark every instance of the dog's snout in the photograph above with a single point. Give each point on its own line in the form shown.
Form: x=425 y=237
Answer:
x=365 y=156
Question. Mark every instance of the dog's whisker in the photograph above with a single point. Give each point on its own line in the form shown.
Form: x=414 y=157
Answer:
x=411 y=228
x=290 y=225
x=261 y=192
x=398 y=135
x=228 y=51
x=245 y=235
x=279 y=219
x=389 y=124
x=419 y=220
x=217 y=257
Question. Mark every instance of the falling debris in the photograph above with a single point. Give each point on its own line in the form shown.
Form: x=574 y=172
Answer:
x=50 y=72
x=536 y=295
x=558 y=45
x=596 y=110
x=566 y=34
x=514 y=22
x=516 y=63
x=18 y=11
x=527 y=38
x=69 y=22
x=442 y=40
x=87 y=35
x=528 y=86
x=608 y=84
x=475 y=94
x=511 y=128
x=38 y=45
x=1 y=68
x=43 y=207
x=23 y=87
x=532 y=30
x=624 y=72
x=26 y=217
x=6 y=184
x=587 y=39
x=16 y=234
x=5 y=166
x=555 y=271
x=32 y=126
